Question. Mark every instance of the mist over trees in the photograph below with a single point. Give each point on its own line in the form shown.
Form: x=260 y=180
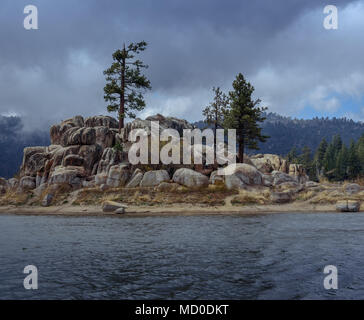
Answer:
x=13 y=141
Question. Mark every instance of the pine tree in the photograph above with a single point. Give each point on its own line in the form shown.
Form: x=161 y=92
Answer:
x=215 y=112
x=125 y=82
x=341 y=164
x=353 y=161
x=329 y=162
x=244 y=115
x=319 y=156
x=292 y=155
x=306 y=160
x=337 y=144
x=360 y=153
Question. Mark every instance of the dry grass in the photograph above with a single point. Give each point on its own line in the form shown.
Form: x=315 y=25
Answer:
x=13 y=198
x=332 y=196
x=252 y=197
x=148 y=196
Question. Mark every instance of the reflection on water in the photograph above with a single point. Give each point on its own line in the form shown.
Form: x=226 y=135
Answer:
x=276 y=256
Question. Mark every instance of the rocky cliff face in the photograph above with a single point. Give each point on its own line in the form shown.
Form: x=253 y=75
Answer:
x=82 y=154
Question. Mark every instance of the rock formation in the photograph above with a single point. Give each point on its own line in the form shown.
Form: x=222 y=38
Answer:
x=90 y=153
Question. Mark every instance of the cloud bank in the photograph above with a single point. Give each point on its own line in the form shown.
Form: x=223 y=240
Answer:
x=297 y=67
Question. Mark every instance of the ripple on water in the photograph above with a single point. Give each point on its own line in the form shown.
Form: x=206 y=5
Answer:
x=277 y=256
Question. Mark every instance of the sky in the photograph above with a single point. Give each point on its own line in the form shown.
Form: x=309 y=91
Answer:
x=298 y=68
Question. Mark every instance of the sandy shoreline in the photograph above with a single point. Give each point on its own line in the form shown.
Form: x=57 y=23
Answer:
x=173 y=210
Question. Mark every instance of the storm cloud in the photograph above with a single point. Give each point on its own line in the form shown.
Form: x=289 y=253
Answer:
x=297 y=67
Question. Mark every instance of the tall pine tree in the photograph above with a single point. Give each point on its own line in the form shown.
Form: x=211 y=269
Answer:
x=319 y=157
x=125 y=82
x=244 y=115
x=215 y=112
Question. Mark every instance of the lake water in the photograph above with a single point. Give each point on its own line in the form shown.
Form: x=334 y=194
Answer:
x=275 y=256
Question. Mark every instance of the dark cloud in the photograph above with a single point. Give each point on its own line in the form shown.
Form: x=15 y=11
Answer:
x=56 y=71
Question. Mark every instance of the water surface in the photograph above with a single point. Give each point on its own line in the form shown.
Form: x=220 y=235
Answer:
x=275 y=256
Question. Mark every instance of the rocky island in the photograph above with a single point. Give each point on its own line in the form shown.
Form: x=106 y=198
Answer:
x=86 y=169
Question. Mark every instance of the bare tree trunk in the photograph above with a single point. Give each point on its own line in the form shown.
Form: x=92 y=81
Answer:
x=241 y=149
x=122 y=96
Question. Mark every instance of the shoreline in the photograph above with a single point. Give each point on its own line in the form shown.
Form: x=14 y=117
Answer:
x=172 y=210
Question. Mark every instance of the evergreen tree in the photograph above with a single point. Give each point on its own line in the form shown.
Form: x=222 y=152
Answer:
x=360 y=153
x=292 y=155
x=125 y=82
x=215 y=112
x=341 y=164
x=337 y=144
x=244 y=115
x=329 y=162
x=353 y=161
x=319 y=157
x=306 y=160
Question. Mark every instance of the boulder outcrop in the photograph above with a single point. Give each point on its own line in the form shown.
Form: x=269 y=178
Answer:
x=190 y=178
x=240 y=175
x=154 y=178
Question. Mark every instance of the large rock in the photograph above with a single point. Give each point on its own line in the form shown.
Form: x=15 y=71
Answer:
x=109 y=158
x=105 y=137
x=281 y=197
x=102 y=121
x=266 y=163
x=13 y=183
x=57 y=131
x=154 y=178
x=348 y=206
x=280 y=177
x=47 y=200
x=100 y=179
x=118 y=176
x=112 y=206
x=311 y=184
x=79 y=136
x=164 y=123
x=34 y=159
x=68 y=175
x=73 y=160
x=298 y=172
x=268 y=180
x=352 y=188
x=135 y=179
x=27 y=183
x=215 y=178
x=241 y=175
x=190 y=178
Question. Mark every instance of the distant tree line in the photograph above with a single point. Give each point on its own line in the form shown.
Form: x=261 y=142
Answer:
x=332 y=160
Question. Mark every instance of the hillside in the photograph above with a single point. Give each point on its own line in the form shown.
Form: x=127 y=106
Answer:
x=286 y=132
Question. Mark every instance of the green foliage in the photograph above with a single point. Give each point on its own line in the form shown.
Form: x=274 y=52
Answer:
x=244 y=115
x=118 y=147
x=292 y=156
x=215 y=112
x=334 y=160
x=126 y=83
